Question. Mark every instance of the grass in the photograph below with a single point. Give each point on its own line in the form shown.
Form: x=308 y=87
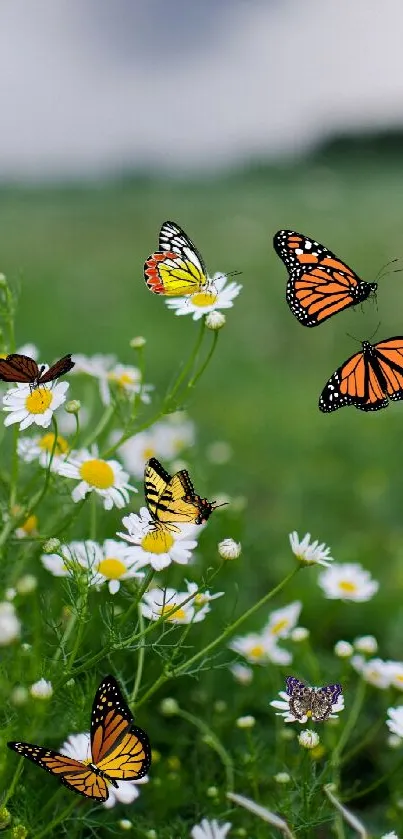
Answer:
x=77 y=255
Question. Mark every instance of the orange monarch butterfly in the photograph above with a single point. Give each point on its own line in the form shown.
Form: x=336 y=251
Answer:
x=171 y=498
x=368 y=379
x=21 y=368
x=120 y=751
x=319 y=283
x=177 y=268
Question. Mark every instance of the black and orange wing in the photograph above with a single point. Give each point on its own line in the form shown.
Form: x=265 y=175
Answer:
x=72 y=773
x=119 y=748
x=18 y=368
x=60 y=368
x=389 y=359
x=320 y=284
x=368 y=379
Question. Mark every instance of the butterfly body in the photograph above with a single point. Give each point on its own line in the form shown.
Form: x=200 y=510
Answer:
x=119 y=749
x=177 y=268
x=319 y=284
x=21 y=368
x=368 y=379
x=171 y=499
x=316 y=703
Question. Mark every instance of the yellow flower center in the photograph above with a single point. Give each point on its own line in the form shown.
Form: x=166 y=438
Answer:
x=257 y=651
x=166 y=612
x=112 y=568
x=147 y=453
x=277 y=627
x=46 y=443
x=157 y=541
x=349 y=588
x=30 y=524
x=203 y=298
x=200 y=599
x=124 y=379
x=97 y=473
x=399 y=677
x=39 y=400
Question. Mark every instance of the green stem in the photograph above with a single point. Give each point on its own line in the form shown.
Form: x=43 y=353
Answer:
x=199 y=373
x=350 y=724
x=14 y=782
x=93 y=516
x=140 y=660
x=14 y=469
x=212 y=740
x=60 y=818
x=377 y=783
x=100 y=427
x=183 y=668
x=187 y=367
x=143 y=588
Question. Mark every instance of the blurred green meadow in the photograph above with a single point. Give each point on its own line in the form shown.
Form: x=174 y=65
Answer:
x=77 y=254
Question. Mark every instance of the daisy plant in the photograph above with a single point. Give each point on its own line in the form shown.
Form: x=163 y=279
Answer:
x=97 y=586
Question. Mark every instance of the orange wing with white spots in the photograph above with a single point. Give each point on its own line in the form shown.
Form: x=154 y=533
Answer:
x=74 y=774
x=319 y=284
x=367 y=380
x=119 y=750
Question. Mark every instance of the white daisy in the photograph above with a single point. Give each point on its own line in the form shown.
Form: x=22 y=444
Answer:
x=40 y=448
x=217 y=295
x=28 y=528
x=31 y=350
x=307 y=552
x=165 y=440
x=241 y=673
x=27 y=406
x=157 y=546
x=395 y=721
x=396 y=674
x=282 y=621
x=78 y=747
x=283 y=708
x=105 y=477
x=126 y=379
x=348 y=581
x=109 y=372
x=10 y=626
x=375 y=671
x=210 y=830
x=165 y=602
x=260 y=648
x=109 y=563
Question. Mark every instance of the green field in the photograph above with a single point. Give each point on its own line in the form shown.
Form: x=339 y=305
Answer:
x=77 y=255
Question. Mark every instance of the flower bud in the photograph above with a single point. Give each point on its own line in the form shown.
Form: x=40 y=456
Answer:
x=215 y=320
x=308 y=739
x=41 y=689
x=246 y=722
x=138 y=342
x=229 y=549
x=51 y=546
x=73 y=406
x=169 y=707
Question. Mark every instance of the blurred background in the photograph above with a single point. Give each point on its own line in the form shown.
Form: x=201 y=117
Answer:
x=234 y=118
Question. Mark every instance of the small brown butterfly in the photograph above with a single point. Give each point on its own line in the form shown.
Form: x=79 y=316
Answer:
x=316 y=703
x=22 y=368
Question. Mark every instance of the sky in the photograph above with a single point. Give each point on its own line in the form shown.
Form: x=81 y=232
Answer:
x=91 y=86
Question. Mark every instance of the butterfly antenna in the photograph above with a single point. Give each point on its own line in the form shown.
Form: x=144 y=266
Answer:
x=353 y=337
x=374 y=333
x=382 y=273
x=215 y=506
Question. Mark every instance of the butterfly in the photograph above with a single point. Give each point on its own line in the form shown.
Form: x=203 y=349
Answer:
x=119 y=750
x=22 y=368
x=316 y=703
x=319 y=283
x=368 y=379
x=177 y=268
x=171 y=498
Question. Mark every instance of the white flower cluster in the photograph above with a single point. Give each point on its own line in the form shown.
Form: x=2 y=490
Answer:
x=262 y=647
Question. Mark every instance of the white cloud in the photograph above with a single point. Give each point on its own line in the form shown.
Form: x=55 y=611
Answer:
x=81 y=91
